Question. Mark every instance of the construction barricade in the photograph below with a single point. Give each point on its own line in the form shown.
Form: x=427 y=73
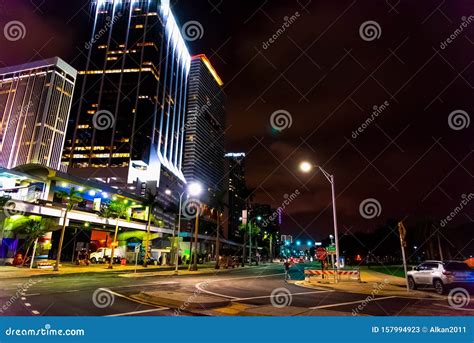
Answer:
x=332 y=275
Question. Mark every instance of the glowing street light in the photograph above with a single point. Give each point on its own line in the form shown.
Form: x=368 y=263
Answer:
x=306 y=167
x=194 y=189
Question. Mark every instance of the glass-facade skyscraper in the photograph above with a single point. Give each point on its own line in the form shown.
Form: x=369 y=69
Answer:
x=127 y=125
x=35 y=100
x=204 y=152
x=236 y=194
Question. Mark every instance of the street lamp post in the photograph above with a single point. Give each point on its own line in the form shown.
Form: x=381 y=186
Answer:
x=168 y=192
x=195 y=189
x=249 y=224
x=306 y=167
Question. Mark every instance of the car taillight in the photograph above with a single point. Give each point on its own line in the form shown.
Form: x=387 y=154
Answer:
x=447 y=273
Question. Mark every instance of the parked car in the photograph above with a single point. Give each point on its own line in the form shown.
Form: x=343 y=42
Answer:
x=103 y=254
x=441 y=275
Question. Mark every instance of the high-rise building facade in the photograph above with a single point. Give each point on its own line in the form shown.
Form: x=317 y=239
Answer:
x=236 y=194
x=127 y=128
x=35 y=101
x=204 y=150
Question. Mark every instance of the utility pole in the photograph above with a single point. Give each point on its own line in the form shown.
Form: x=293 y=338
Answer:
x=402 y=231
x=439 y=248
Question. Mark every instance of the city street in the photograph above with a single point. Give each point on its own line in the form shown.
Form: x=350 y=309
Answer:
x=249 y=291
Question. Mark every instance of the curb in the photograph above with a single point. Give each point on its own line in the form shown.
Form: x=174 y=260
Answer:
x=186 y=304
x=418 y=295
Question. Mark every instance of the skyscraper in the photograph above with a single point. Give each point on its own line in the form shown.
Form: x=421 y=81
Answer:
x=127 y=128
x=204 y=150
x=35 y=101
x=236 y=194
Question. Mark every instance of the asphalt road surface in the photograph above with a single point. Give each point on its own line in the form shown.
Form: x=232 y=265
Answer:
x=72 y=295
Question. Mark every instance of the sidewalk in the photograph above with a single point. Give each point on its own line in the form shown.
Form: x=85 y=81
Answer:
x=8 y=272
x=372 y=283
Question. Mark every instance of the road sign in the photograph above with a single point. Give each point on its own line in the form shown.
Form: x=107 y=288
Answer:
x=244 y=217
x=331 y=248
x=321 y=254
x=137 y=251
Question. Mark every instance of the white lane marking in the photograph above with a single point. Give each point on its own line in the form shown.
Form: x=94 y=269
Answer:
x=27 y=304
x=35 y=312
x=246 y=277
x=350 y=303
x=137 y=312
x=128 y=298
x=199 y=288
x=272 y=296
x=23 y=298
x=32 y=294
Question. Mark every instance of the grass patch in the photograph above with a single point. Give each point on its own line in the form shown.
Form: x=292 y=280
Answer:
x=389 y=270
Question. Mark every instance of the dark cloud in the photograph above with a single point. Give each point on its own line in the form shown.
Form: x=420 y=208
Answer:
x=329 y=79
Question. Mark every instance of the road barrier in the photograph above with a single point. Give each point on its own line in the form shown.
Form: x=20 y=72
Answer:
x=338 y=275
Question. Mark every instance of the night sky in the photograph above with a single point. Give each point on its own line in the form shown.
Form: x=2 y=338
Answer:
x=328 y=75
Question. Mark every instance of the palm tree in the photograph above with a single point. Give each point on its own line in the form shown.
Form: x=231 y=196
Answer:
x=248 y=195
x=73 y=197
x=218 y=203
x=34 y=229
x=151 y=203
x=116 y=209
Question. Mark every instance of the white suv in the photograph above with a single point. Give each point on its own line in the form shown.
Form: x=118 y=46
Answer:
x=441 y=275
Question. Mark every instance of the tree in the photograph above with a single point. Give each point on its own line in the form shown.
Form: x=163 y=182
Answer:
x=218 y=203
x=116 y=209
x=250 y=230
x=248 y=195
x=73 y=197
x=33 y=228
x=151 y=203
